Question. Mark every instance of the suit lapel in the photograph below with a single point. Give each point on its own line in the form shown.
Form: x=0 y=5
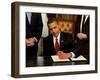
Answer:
x=51 y=42
x=61 y=39
x=27 y=20
x=52 y=45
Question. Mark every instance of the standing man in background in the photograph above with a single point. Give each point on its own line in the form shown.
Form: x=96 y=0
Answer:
x=82 y=33
x=33 y=33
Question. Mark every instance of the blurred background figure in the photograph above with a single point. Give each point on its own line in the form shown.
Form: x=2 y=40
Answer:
x=45 y=33
x=82 y=33
x=34 y=27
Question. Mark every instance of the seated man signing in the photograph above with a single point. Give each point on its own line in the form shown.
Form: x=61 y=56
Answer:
x=58 y=43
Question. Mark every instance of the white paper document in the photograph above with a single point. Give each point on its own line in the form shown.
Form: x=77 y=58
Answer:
x=79 y=58
x=57 y=59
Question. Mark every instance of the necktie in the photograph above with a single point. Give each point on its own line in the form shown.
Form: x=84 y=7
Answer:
x=57 y=47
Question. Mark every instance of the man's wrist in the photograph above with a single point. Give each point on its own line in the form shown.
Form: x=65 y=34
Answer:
x=35 y=39
x=72 y=54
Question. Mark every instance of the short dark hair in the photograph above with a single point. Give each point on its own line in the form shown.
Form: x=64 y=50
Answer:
x=51 y=20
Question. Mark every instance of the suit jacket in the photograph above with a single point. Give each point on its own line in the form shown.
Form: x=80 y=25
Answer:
x=67 y=44
x=35 y=28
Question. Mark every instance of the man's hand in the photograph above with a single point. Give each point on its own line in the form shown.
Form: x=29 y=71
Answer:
x=63 y=55
x=81 y=36
x=31 y=41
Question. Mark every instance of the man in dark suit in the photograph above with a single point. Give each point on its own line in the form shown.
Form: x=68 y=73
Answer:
x=33 y=33
x=82 y=34
x=59 y=43
x=82 y=27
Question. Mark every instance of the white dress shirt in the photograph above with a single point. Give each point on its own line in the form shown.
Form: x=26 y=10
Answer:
x=29 y=14
x=54 y=39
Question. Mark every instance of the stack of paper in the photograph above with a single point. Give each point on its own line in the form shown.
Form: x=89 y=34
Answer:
x=80 y=58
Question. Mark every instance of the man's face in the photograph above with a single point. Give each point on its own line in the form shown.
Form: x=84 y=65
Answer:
x=54 y=28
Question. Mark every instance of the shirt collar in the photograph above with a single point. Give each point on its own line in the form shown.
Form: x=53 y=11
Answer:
x=54 y=39
x=58 y=37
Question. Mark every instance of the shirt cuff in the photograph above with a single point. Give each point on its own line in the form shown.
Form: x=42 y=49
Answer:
x=35 y=39
x=73 y=55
